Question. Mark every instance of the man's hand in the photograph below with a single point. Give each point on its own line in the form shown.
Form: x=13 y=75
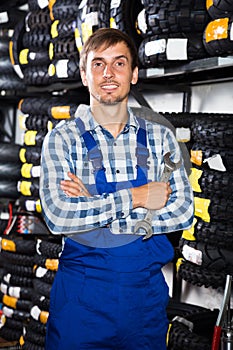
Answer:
x=152 y=196
x=74 y=187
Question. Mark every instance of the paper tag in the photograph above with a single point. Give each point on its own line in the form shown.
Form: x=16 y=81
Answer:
x=43 y=3
x=30 y=205
x=142 y=25
x=35 y=312
x=231 y=32
x=155 y=47
x=40 y=272
x=35 y=171
x=14 y=292
x=115 y=4
x=4 y=17
x=177 y=49
x=192 y=255
x=92 y=18
x=183 y=134
x=215 y=162
x=62 y=68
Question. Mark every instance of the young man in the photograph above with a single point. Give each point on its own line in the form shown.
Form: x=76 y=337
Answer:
x=100 y=174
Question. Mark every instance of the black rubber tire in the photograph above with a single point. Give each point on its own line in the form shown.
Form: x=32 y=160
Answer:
x=49 y=249
x=124 y=17
x=37 y=75
x=48 y=277
x=9 y=152
x=24 y=293
x=215 y=42
x=217 y=233
x=38 y=19
x=182 y=338
x=198 y=276
x=41 y=301
x=213 y=183
x=209 y=151
x=177 y=16
x=158 y=57
x=11 y=171
x=10 y=334
x=42 y=288
x=31 y=154
x=20 y=259
x=219 y=8
x=36 y=326
x=16 y=280
x=11 y=82
x=34 y=338
x=8 y=189
x=37 y=39
x=37 y=122
x=63 y=48
x=64 y=9
x=72 y=70
x=213 y=258
x=216 y=130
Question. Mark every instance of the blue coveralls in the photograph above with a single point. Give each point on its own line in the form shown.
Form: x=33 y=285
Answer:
x=111 y=298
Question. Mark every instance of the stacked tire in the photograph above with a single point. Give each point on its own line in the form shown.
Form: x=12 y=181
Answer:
x=207 y=247
x=16 y=285
x=45 y=267
x=217 y=35
x=172 y=32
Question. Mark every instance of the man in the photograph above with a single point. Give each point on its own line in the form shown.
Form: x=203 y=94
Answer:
x=100 y=174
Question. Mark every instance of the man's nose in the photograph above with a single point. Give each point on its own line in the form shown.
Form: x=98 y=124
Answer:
x=108 y=72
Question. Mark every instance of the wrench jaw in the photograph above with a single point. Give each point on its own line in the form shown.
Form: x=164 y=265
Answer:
x=144 y=224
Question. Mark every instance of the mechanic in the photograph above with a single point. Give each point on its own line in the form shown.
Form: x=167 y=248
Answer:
x=100 y=173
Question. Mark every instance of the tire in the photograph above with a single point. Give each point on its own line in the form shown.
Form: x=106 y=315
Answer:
x=217 y=37
x=177 y=17
x=9 y=152
x=154 y=51
x=38 y=19
x=198 y=276
x=200 y=338
x=212 y=183
x=212 y=258
x=200 y=154
x=216 y=130
x=64 y=9
x=217 y=233
x=219 y=8
x=123 y=16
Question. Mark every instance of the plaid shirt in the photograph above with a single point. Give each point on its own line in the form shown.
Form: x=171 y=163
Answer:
x=64 y=150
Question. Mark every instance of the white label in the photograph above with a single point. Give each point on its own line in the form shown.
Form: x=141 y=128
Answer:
x=35 y=312
x=7 y=277
x=3 y=288
x=191 y=254
x=32 y=55
x=177 y=49
x=62 y=68
x=82 y=4
x=115 y=4
x=40 y=272
x=215 y=162
x=36 y=171
x=30 y=205
x=231 y=32
x=155 y=47
x=14 y=292
x=4 y=216
x=92 y=18
x=38 y=246
x=183 y=134
x=142 y=21
x=42 y=3
x=4 y=17
x=7 y=311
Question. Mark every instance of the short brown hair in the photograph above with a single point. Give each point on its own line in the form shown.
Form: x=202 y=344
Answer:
x=107 y=37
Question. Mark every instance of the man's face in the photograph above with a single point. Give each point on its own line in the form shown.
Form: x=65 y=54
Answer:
x=109 y=74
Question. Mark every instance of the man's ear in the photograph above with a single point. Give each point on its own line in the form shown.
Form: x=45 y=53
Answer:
x=83 y=77
x=134 y=76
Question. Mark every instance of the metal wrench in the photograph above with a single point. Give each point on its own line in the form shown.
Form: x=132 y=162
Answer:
x=146 y=223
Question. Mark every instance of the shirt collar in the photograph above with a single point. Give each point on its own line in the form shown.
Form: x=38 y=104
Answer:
x=84 y=112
